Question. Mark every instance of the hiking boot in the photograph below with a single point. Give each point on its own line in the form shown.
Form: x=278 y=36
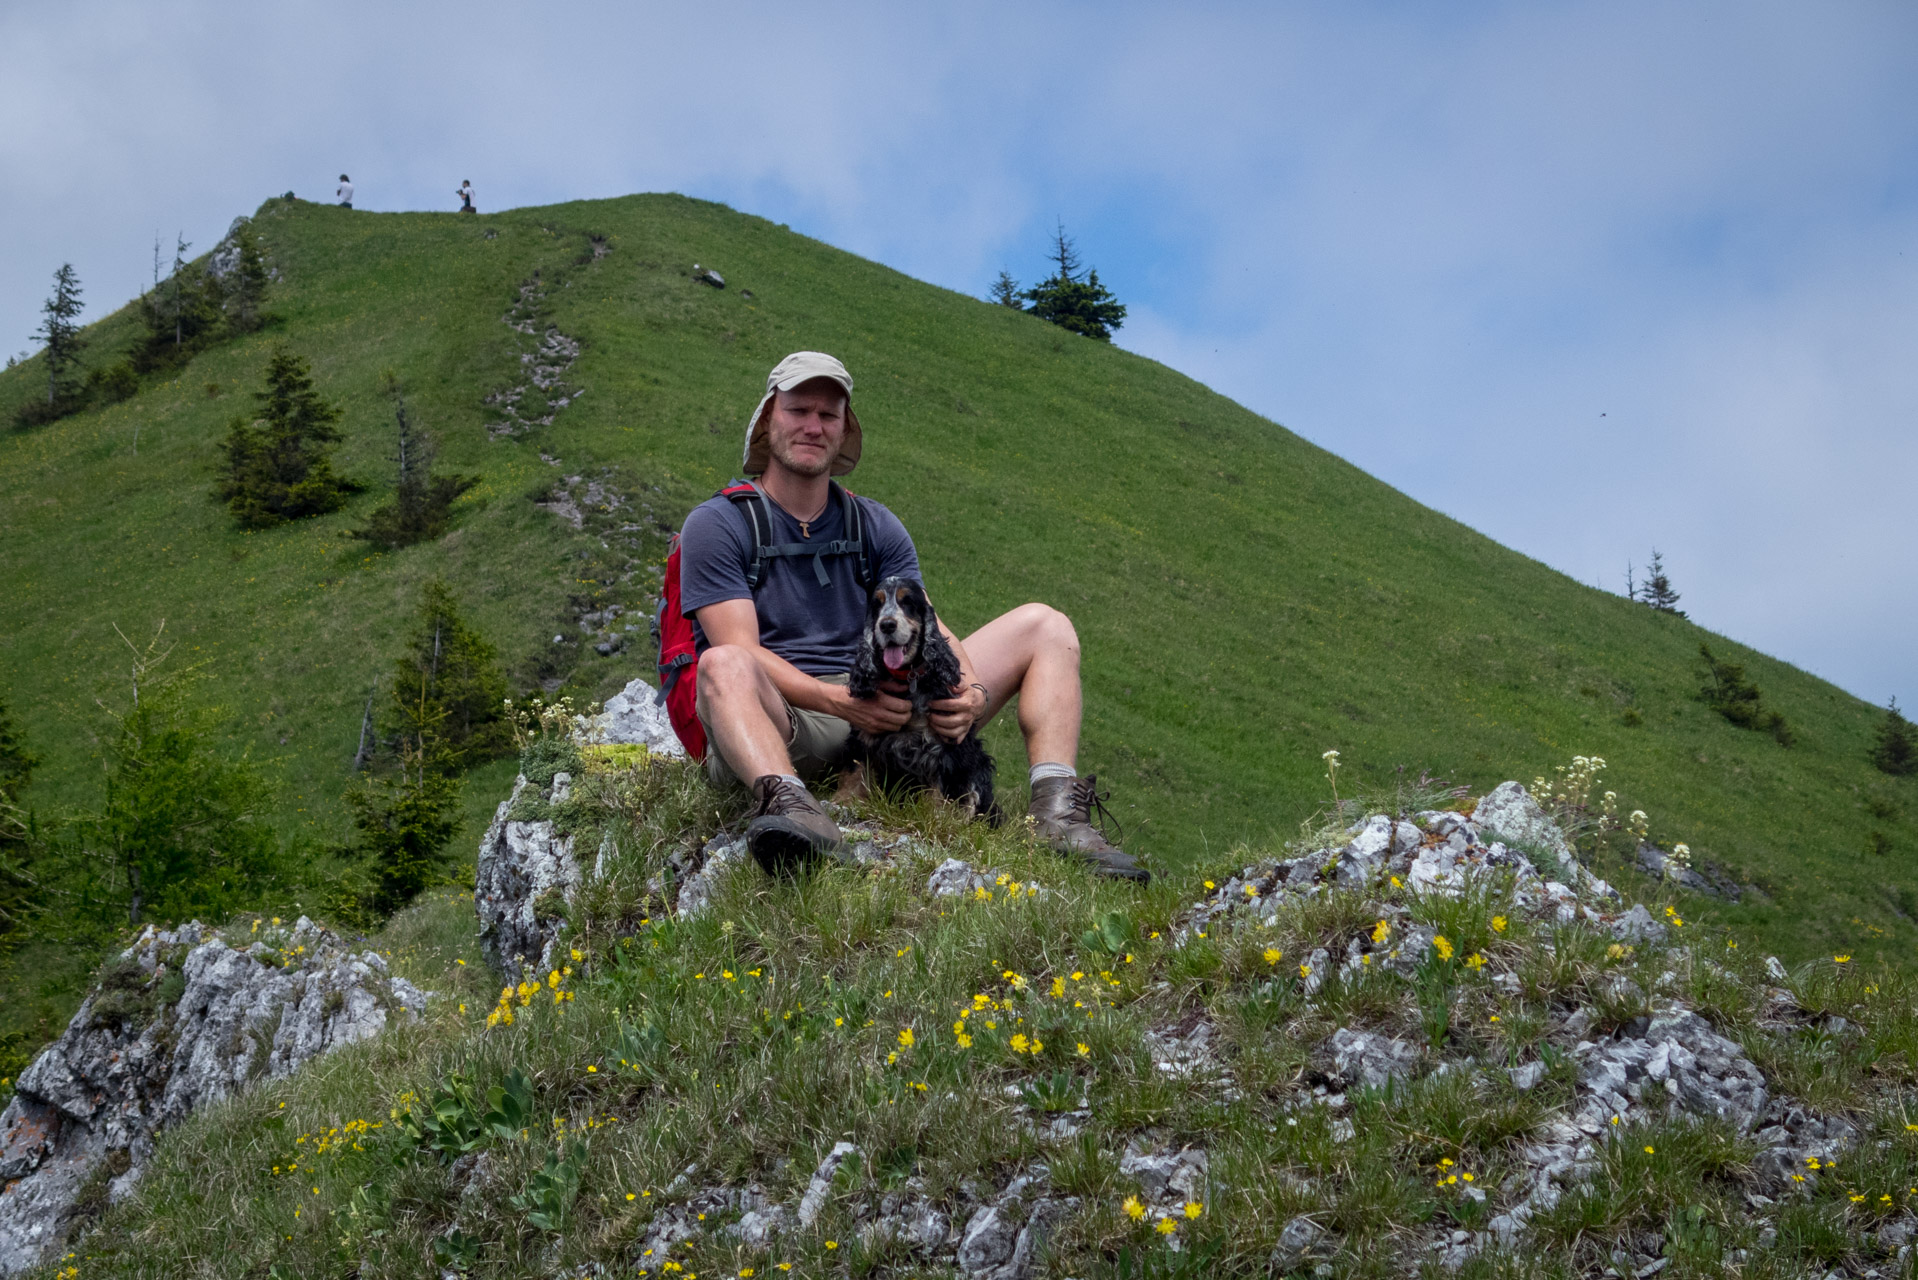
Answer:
x=790 y=830
x=1061 y=813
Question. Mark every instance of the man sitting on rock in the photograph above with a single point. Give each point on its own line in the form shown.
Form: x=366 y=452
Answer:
x=773 y=663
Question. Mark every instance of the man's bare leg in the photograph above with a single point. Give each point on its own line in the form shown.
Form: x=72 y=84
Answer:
x=1032 y=653
x=743 y=712
x=748 y=724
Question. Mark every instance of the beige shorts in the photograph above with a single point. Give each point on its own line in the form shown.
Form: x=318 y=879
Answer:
x=817 y=742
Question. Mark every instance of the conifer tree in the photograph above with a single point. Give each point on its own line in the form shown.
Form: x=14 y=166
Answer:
x=246 y=289
x=406 y=819
x=423 y=502
x=1657 y=591
x=278 y=468
x=1896 y=749
x=60 y=330
x=1005 y=291
x=18 y=884
x=1070 y=301
x=182 y=828
x=449 y=692
x=1731 y=693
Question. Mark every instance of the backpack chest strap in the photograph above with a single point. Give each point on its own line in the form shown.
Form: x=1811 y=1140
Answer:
x=818 y=551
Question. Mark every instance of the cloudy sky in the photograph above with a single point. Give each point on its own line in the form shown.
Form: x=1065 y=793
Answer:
x=1593 y=278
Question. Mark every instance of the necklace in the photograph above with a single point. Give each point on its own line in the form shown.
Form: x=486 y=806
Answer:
x=805 y=526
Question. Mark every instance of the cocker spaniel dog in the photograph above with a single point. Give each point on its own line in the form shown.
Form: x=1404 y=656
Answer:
x=902 y=645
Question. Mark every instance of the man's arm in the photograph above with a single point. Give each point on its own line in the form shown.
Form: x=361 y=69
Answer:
x=736 y=622
x=951 y=717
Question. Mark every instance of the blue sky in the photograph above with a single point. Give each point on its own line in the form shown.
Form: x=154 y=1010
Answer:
x=1592 y=278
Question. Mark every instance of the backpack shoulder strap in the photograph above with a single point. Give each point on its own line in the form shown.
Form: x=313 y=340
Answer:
x=868 y=567
x=748 y=497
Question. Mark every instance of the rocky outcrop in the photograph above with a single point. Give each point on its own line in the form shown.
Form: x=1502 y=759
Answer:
x=526 y=876
x=1665 y=1063
x=634 y=715
x=181 y=1019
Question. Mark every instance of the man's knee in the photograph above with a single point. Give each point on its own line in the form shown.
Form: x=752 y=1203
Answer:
x=1051 y=629
x=726 y=668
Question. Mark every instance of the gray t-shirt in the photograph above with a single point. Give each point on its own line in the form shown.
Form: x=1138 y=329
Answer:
x=813 y=627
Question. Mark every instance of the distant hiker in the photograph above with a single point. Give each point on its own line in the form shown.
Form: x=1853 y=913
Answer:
x=776 y=626
x=345 y=193
x=465 y=193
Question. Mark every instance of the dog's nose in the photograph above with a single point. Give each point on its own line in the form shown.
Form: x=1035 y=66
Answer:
x=888 y=625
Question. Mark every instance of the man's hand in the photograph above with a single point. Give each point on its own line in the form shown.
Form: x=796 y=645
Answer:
x=950 y=718
x=882 y=713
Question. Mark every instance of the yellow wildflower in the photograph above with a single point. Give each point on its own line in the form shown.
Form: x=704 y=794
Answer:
x=1133 y=1208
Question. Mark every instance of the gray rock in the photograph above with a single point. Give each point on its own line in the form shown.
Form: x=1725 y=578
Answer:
x=1296 y=1241
x=1639 y=926
x=1775 y=969
x=1526 y=1076
x=525 y=879
x=131 y=1064
x=1511 y=813
x=988 y=1242
x=1366 y=1057
x=696 y=893
x=1175 y=1176
x=819 y=1190
x=634 y=715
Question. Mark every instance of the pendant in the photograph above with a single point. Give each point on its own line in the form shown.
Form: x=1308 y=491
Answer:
x=805 y=528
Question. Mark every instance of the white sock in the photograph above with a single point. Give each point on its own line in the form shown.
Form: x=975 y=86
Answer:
x=792 y=778
x=1050 y=769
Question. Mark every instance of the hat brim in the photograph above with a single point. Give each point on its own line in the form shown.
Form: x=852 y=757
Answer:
x=758 y=453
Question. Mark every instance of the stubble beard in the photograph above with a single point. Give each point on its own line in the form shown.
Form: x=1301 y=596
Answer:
x=784 y=457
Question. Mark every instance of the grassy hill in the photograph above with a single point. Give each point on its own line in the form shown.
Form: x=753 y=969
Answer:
x=1245 y=599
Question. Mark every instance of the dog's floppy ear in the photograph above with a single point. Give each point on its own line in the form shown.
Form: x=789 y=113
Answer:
x=942 y=664
x=863 y=682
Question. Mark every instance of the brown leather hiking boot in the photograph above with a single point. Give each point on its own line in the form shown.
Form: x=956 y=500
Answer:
x=790 y=830
x=1061 y=812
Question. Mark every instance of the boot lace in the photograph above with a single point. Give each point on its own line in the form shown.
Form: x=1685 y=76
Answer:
x=1088 y=800
x=776 y=798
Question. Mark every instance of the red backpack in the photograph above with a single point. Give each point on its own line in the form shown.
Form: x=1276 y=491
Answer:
x=673 y=631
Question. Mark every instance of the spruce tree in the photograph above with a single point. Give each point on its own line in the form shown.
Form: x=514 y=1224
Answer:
x=1070 y=301
x=1657 y=591
x=423 y=502
x=1731 y=693
x=405 y=821
x=447 y=705
x=246 y=288
x=278 y=468
x=60 y=330
x=1005 y=291
x=1896 y=749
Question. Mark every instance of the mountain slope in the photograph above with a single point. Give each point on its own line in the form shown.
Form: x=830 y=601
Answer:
x=1246 y=600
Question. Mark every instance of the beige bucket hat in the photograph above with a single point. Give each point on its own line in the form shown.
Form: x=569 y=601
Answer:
x=800 y=366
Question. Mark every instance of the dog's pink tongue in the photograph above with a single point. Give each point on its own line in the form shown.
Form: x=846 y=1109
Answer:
x=895 y=656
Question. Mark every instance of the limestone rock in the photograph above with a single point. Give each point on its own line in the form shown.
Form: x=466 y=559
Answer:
x=183 y=1018
x=526 y=875
x=1510 y=813
x=634 y=715
x=1365 y=1057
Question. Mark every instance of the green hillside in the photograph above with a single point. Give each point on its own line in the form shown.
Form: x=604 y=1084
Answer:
x=1245 y=599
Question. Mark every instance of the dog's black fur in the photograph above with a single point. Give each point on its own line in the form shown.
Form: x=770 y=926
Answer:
x=899 y=617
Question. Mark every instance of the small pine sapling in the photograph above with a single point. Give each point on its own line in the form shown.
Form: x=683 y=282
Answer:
x=423 y=502
x=279 y=467
x=1005 y=291
x=1895 y=750
x=246 y=289
x=1731 y=693
x=1657 y=591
